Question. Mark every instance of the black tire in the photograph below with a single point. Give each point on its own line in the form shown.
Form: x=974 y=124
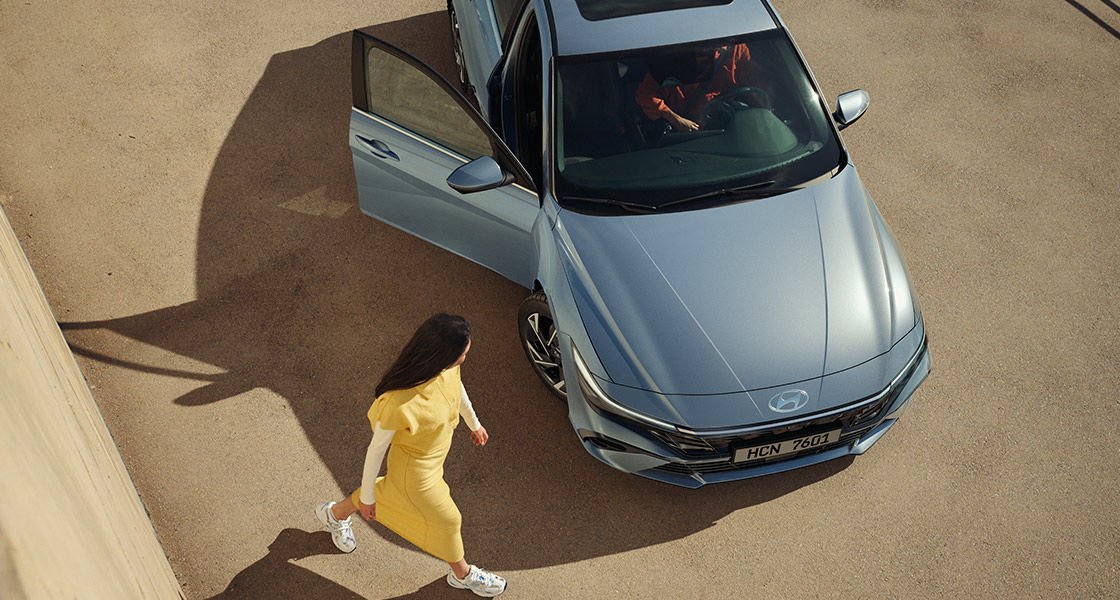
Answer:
x=541 y=343
x=457 y=48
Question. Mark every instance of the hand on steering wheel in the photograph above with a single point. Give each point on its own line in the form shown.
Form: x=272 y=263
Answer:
x=679 y=123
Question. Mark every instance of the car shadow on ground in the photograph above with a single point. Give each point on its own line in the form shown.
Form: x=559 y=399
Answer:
x=299 y=293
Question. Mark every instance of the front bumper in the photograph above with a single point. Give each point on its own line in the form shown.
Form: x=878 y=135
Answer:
x=636 y=449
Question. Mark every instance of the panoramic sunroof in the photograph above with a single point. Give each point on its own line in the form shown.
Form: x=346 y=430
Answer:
x=597 y=10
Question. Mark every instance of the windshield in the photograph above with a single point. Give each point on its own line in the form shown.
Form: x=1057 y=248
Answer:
x=657 y=127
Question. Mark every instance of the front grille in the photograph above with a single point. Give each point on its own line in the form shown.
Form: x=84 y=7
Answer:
x=726 y=465
x=858 y=417
x=716 y=451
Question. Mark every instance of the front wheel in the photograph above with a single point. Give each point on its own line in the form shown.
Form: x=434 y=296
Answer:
x=541 y=342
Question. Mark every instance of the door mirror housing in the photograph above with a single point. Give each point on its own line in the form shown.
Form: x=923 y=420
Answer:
x=482 y=173
x=850 y=106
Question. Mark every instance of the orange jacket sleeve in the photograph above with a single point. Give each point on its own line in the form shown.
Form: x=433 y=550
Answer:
x=735 y=69
x=649 y=98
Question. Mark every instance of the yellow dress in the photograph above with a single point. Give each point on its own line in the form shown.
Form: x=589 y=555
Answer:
x=412 y=498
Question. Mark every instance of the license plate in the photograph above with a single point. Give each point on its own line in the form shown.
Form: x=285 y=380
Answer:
x=786 y=447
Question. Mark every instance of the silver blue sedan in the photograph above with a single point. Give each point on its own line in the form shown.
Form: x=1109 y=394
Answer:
x=712 y=290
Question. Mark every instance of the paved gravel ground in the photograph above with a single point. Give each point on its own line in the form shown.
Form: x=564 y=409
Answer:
x=178 y=175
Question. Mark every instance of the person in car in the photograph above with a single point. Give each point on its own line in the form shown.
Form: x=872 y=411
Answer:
x=420 y=400
x=678 y=86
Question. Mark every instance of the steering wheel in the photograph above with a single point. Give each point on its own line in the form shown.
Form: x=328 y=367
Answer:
x=739 y=92
x=721 y=108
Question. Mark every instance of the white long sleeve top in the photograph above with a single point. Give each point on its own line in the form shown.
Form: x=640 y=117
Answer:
x=382 y=437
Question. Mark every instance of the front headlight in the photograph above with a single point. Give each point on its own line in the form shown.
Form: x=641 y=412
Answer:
x=600 y=401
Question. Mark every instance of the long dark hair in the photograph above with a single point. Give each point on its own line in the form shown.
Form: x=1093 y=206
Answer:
x=437 y=343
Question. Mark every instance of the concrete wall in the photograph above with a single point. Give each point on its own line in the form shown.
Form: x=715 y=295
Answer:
x=71 y=523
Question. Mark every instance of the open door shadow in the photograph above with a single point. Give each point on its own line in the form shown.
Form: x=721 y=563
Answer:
x=300 y=294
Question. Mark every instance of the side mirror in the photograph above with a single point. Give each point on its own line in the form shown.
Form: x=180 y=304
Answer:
x=482 y=173
x=850 y=106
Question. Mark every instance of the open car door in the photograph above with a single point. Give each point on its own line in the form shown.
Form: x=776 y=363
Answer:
x=413 y=137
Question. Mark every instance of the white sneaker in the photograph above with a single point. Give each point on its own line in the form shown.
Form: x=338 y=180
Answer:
x=341 y=533
x=482 y=583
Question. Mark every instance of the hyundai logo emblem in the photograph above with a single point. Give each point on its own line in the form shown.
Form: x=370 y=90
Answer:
x=788 y=401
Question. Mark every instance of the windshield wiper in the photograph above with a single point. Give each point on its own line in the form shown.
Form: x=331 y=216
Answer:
x=632 y=206
x=759 y=189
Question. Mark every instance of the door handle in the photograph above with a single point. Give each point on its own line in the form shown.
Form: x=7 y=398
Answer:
x=378 y=148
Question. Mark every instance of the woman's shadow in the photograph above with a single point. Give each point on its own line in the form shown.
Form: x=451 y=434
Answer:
x=301 y=294
x=276 y=576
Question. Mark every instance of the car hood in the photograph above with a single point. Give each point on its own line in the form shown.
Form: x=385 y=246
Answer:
x=736 y=298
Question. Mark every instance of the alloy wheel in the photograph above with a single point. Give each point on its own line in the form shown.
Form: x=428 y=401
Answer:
x=541 y=343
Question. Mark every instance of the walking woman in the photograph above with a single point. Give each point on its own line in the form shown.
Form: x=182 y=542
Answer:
x=419 y=402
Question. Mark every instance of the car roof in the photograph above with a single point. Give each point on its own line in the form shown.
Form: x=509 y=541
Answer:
x=574 y=33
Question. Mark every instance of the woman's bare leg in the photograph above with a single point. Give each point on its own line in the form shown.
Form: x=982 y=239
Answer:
x=461 y=568
x=343 y=510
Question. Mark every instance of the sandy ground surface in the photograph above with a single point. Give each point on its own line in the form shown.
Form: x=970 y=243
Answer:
x=179 y=177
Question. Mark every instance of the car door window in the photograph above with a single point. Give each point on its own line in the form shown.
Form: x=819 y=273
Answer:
x=409 y=97
x=505 y=11
x=528 y=98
